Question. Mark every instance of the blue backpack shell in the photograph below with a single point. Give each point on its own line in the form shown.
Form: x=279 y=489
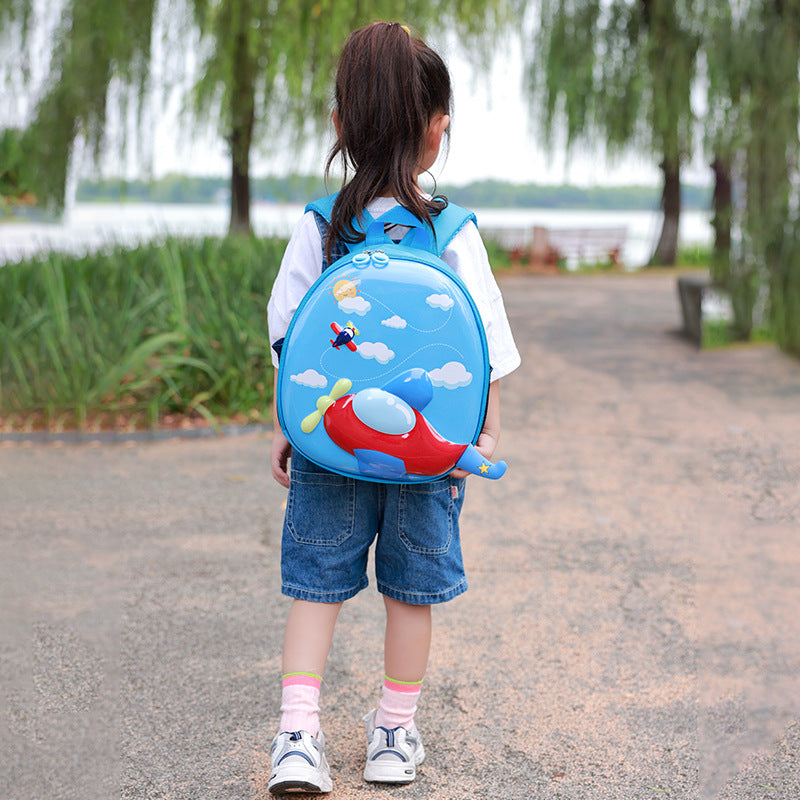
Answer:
x=384 y=370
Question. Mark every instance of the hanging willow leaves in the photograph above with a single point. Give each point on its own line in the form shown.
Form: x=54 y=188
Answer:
x=265 y=68
x=771 y=215
x=621 y=74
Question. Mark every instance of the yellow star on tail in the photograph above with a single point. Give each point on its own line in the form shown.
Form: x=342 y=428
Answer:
x=484 y=468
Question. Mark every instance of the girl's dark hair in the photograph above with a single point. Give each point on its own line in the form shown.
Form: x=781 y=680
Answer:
x=389 y=86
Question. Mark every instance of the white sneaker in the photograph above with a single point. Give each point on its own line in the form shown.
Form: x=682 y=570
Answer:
x=392 y=755
x=298 y=764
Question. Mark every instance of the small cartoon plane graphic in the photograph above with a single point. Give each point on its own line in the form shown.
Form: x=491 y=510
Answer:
x=344 y=336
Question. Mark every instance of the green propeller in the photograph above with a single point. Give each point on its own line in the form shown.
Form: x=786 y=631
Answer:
x=340 y=389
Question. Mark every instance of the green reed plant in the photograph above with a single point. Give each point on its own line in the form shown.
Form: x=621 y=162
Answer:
x=131 y=336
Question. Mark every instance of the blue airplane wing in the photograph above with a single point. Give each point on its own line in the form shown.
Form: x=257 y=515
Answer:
x=380 y=465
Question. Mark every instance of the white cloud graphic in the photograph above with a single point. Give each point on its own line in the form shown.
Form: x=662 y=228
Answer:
x=394 y=322
x=452 y=375
x=310 y=378
x=377 y=350
x=354 y=305
x=443 y=301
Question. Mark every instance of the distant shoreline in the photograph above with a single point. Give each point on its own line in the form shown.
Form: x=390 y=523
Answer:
x=184 y=189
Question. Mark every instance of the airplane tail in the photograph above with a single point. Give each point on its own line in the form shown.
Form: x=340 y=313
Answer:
x=472 y=461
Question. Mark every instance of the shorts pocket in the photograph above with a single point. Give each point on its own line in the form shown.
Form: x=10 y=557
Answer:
x=321 y=507
x=428 y=515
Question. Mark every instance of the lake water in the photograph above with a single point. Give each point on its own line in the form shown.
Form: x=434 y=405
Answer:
x=90 y=226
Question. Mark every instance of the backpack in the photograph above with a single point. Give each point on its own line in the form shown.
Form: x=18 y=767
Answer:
x=384 y=370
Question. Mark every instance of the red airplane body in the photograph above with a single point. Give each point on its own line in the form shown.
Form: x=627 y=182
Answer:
x=422 y=450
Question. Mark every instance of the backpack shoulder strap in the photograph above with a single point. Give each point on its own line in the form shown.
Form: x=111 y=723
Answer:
x=323 y=206
x=448 y=223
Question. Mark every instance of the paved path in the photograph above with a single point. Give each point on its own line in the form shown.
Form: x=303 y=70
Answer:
x=631 y=630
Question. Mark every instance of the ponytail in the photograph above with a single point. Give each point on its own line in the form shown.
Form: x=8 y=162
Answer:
x=389 y=86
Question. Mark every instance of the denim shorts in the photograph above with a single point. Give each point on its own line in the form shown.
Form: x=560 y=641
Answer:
x=331 y=522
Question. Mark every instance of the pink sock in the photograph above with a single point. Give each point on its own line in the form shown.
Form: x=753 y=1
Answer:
x=398 y=704
x=300 y=702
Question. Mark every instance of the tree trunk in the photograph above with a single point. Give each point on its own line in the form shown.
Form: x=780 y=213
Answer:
x=722 y=209
x=666 y=252
x=722 y=205
x=240 y=181
x=242 y=101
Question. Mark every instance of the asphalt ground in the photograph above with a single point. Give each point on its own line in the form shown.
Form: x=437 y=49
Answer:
x=630 y=632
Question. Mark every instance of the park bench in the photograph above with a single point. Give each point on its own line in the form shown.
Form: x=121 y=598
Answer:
x=588 y=245
x=542 y=249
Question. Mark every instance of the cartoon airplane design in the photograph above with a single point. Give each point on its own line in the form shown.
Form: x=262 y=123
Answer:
x=385 y=431
x=344 y=336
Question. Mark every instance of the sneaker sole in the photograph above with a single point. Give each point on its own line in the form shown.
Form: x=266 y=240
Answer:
x=300 y=784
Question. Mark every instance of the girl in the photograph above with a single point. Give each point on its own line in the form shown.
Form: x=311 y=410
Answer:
x=393 y=98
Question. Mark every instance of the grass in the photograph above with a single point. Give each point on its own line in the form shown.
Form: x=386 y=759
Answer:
x=588 y=267
x=142 y=337
x=717 y=334
x=694 y=255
